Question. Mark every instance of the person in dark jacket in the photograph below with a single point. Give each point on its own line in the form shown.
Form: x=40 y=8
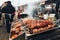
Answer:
x=8 y=9
x=0 y=13
x=58 y=14
x=57 y=7
x=2 y=6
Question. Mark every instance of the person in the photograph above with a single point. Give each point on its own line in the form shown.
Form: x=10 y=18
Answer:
x=57 y=7
x=9 y=14
x=35 y=12
x=0 y=13
x=19 y=11
x=3 y=5
x=53 y=9
x=39 y=8
x=59 y=13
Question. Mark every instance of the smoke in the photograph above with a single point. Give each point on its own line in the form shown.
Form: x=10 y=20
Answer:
x=30 y=9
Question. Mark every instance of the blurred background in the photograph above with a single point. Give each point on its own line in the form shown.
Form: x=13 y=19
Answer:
x=14 y=14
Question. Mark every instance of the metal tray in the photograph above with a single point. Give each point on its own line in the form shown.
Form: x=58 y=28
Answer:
x=40 y=32
x=56 y=27
x=12 y=28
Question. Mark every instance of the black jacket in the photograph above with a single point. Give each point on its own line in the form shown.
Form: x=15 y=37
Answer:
x=0 y=8
x=8 y=9
x=57 y=5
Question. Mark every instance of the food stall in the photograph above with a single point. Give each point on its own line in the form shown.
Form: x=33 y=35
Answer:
x=31 y=28
x=44 y=26
x=16 y=29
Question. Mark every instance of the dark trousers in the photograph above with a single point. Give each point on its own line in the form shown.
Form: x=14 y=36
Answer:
x=8 y=26
x=8 y=19
x=0 y=16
